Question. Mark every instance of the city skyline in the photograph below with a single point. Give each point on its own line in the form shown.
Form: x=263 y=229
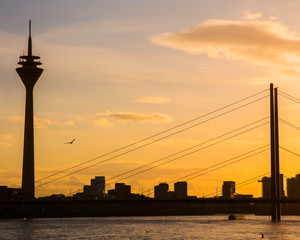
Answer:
x=113 y=80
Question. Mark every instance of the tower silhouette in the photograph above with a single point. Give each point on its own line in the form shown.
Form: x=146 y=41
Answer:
x=29 y=74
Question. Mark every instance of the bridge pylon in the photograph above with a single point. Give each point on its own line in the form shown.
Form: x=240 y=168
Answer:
x=275 y=168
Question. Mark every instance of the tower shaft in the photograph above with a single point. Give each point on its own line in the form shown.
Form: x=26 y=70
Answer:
x=28 y=151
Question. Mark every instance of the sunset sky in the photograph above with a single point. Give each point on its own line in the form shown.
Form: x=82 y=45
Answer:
x=117 y=72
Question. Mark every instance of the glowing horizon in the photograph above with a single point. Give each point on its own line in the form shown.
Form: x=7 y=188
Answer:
x=114 y=78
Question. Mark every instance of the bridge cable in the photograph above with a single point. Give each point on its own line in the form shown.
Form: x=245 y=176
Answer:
x=175 y=153
x=298 y=155
x=289 y=124
x=186 y=149
x=254 y=154
x=290 y=97
x=215 y=165
x=187 y=154
x=142 y=171
x=223 y=162
x=223 y=166
x=121 y=154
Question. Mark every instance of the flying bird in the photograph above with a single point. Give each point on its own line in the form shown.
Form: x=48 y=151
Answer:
x=71 y=142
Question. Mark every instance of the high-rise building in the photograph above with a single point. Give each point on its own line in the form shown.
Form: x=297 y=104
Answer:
x=266 y=186
x=87 y=190
x=97 y=188
x=180 y=190
x=161 y=191
x=121 y=191
x=228 y=189
x=29 y=74
x=293 y=187
x=7 y=193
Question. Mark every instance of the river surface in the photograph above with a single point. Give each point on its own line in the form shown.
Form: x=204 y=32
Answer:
x=151 y=228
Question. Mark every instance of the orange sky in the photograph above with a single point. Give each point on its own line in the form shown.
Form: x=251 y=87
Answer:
x=118 y=73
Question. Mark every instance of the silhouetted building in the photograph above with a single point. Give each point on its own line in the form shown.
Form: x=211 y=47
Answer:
x=9 y=194
x=121 y=191
x=98 y=186
x=266 y=186
x=180 y=190
x=293 y=187
x=96 y=190
x=87 y=189
x=228 y=189
x=29 y=74
x=161 y=191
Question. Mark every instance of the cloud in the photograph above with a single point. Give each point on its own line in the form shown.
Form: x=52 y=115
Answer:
x=73 y=181
x=40 y=123
x=154 y=100
x=10 y=177
x=102 y=123
x=7 y=136
x=137 y=117
x=260 y=42
x=69 y=123
x=251 y=16
x=16 y=118
x=289 y=71
x=45 y=123
x=273 y=18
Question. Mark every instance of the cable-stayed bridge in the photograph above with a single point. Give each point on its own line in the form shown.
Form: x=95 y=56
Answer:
x=271 y=120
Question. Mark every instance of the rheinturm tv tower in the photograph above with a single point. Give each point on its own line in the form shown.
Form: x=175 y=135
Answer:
x=29 y=74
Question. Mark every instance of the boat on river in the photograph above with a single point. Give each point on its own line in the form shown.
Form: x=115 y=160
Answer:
x=236 y=217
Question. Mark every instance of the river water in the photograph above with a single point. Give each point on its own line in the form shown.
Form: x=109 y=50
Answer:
x=151 y=228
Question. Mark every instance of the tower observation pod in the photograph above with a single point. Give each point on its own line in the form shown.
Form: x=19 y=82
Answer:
x=29 y=74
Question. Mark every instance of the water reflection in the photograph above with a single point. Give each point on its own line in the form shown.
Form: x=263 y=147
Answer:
x=150 y=228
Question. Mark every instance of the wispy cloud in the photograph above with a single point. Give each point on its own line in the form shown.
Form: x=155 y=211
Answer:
x=251 y=16
x=154 y=100
x=6 y=136
x=102 y=123
x=69 y=123
x=16 y=118
x=45 y=123
x=10 y=177
x=259 y=42
x=73 y=181
x=137 y=117
x=42 y=123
